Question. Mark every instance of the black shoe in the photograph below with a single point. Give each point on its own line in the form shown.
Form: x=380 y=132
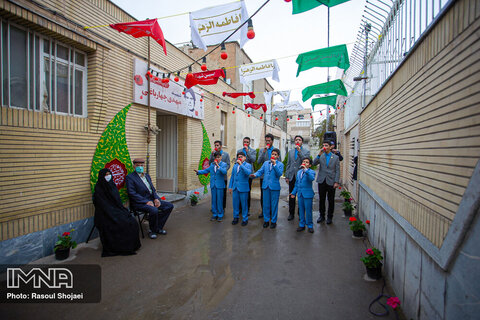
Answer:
x=265 y=224
x=329 y=220
x=260 y=216
x=248 y=214
x=299 y=229
x=310 y=230
x=235 y=221
x=219 y=219
x=273 y=225
x=213 y=218
x=162 y=232
x=291 y=217
x=244 y=223
x=320 y=219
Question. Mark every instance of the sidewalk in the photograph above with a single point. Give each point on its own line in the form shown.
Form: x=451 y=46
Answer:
x=211 y=270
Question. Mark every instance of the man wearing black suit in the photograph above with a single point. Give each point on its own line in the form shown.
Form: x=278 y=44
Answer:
x=144 y=197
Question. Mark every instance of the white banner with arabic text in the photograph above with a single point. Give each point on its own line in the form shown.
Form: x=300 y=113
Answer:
x=260 y=70
x=211 y=26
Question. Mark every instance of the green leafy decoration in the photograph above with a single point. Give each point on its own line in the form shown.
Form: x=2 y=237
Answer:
x=112 y=145
x=205 y=159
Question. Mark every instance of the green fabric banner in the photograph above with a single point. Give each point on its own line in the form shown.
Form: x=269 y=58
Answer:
x=335 y=86
x=330 y=100
x=336 y=56
x=300 y=6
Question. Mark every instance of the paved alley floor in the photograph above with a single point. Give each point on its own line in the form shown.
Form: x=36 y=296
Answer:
x=211 y=270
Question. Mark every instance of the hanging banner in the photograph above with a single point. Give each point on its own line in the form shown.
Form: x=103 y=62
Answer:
x=210 y=26
x=292 y=106
x=146 y=28
x=268 y=98
x=300 y=6
x=239 y=94
x=205 y=78
x=166 y=96
x=261 y=70
x=336 y=56
x=335 y=86
x=204 y=162
x=255 y=106
x=285 y=96
x=330 y=100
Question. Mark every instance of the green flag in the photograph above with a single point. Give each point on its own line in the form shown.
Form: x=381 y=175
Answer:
x=336 y=56
x=330 y=100
x=335 y=86
x=112 y=153
x=300 y=6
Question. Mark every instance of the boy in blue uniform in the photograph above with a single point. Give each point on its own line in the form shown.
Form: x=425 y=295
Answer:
x=303 y=187
x=217 y=170
x=271 y=170
x=239 y=186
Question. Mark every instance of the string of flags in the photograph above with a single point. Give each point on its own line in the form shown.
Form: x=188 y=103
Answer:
x=215 y=25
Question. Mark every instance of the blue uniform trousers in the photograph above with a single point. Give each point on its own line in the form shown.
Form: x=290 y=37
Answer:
x=240 y=197
x=270 y=205
x=305 y=208
x=217 y=202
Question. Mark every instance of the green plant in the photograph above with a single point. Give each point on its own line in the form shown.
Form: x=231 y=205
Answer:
x=65 y=241
x=356 y=224
x=345 y=194
x=373 y=259
x=194 y=197
x=348 y=206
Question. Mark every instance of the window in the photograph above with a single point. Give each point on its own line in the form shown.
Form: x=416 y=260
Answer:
x=223 y=121
x=40 y=73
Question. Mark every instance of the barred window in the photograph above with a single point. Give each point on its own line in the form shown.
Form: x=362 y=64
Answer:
x=40 y=73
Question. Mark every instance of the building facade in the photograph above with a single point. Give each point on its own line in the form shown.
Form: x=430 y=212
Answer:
x=61 y=86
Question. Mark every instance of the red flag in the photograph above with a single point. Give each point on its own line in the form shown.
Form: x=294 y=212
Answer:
x=239 y=94
x=146 y=28
x=207 y=77
x=256 y=106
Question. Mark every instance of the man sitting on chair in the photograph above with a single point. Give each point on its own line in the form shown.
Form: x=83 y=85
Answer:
x=144 y=197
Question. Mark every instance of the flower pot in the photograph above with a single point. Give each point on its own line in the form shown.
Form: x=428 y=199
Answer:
x=374 y=273
x=62 y=253
x=358 y=233
x=193 y=203
x=347 y=213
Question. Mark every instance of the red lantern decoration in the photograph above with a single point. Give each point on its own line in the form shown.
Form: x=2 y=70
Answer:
x=261 y=117
x=201 y=100
x=156 y=78
x=204 y=67
x=276 y=119
x=311 y=117
x=183 y=92
x=233 y=111
x=176 y=79
x=288 y=119
x=250 y=33
x=218 y=107
x=167 y=80
x=329 y=111
x=224 y=55
x=148 y=73
x=288 y=0
x=248 y=116
x=189 y=76
x=151 y=76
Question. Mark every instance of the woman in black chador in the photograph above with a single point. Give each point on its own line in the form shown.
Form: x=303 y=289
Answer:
x=118 y=229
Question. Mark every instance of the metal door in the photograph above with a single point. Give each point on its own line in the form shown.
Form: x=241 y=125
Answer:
x=167 y=154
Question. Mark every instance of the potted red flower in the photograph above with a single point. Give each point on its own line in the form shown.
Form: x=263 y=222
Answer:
x=357 y=226
x=63 y=245
x=373 y=263
x=194 y=197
